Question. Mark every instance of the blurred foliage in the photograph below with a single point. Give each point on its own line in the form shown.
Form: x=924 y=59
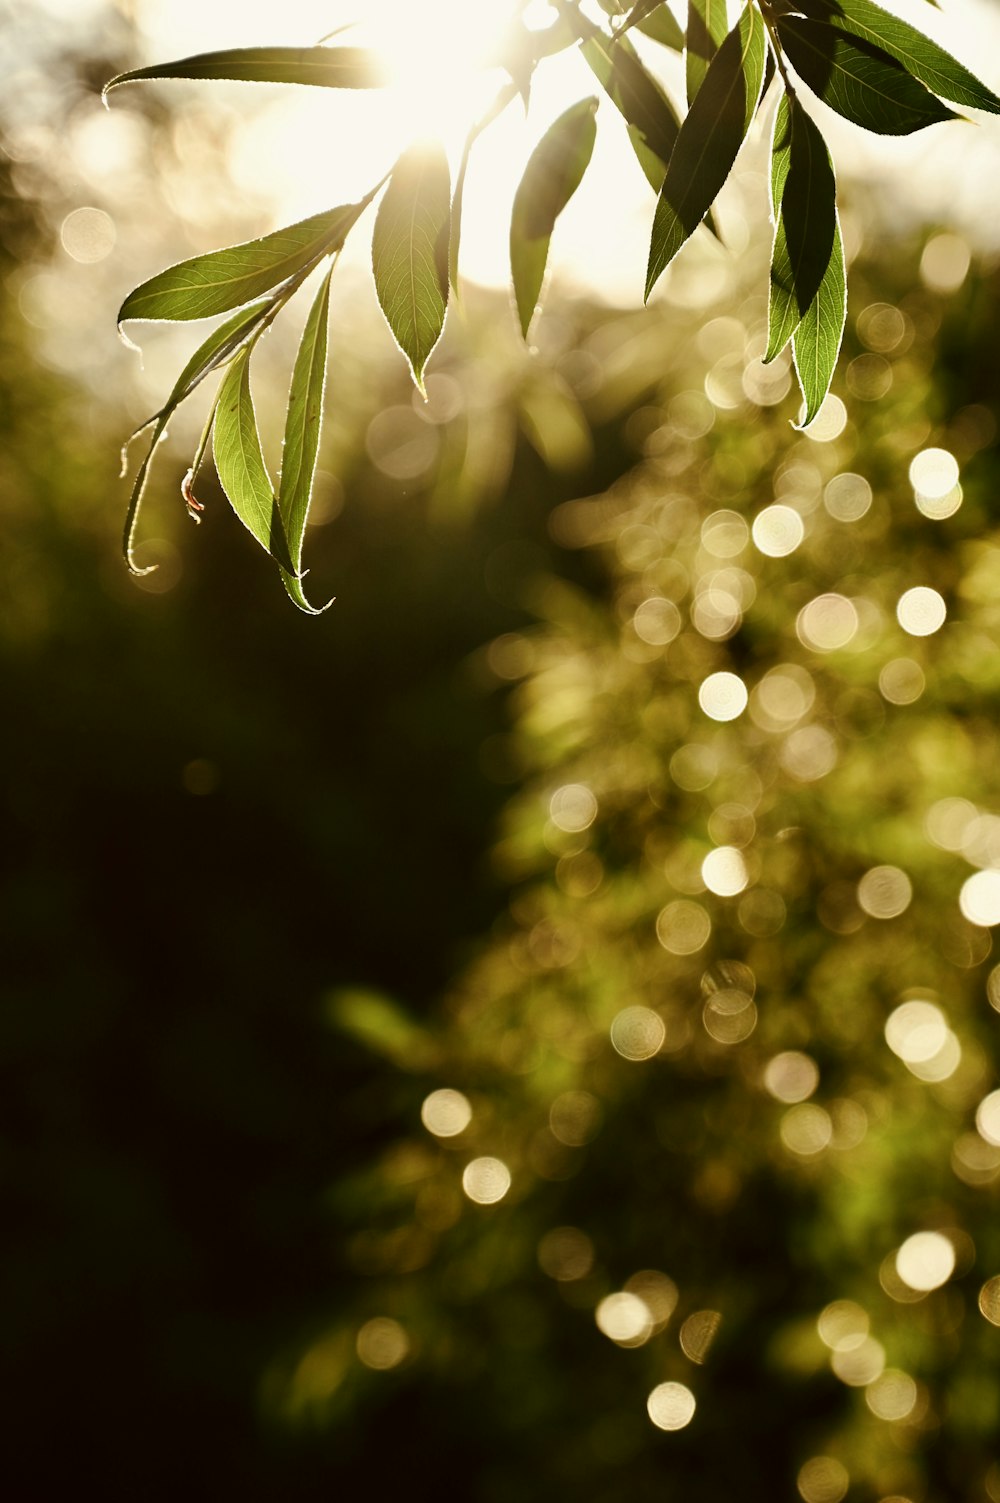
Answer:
x=306 y=1185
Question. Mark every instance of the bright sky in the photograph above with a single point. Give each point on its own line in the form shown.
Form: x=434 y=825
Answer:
x=319 y=146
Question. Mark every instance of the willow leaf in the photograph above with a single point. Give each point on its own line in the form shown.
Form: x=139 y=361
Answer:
x=816 y=342
x=324 y=67
x=707 y=24
x=225 y=279
x=302 y=433
x=410 y=252
x=804 y=200
x=219 y=347
x=656 y=20
x=928 y=62
x=240 y=463
x=554 y=172
x=857 y=79
x=709 y=140
x=653 y=125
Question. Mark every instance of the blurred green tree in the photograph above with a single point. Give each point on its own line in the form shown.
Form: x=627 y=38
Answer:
x=681 y=1179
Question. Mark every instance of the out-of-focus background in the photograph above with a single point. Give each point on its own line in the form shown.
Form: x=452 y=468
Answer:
x=534 y=1030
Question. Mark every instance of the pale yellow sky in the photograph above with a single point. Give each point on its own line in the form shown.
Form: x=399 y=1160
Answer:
x=319 y=146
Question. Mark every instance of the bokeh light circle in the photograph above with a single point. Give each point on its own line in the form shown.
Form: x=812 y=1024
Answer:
x=979 y=899
x=921 y=611
x=671 y=1406
x=624 y=1318
x=778 y=530
x=723 y=696
x=885 y=892
x=989 y=1300
x=683 y=927
x=486 y=1180
x=638 y=1033
x=933 y=473
x=988 y=1118
x=926 y=1261
x=382 y=1344
x=823 y=1479
x=724 y=871
x=446 y=1113
x=827 y=623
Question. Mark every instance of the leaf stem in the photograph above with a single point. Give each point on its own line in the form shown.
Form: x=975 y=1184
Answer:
x=779 y=56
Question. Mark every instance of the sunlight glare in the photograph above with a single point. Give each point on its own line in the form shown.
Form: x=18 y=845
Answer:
x=442 y=57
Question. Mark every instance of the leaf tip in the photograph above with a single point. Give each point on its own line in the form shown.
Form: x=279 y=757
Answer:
x=129 y=344
x=138 y=571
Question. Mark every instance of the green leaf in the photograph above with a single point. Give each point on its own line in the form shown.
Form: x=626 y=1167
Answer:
x=553 y=174
x=410 y=252
x=226 y=279
x=816 y=341
x=212 y=353
x=302 y=432
x=240 y=463
x=804 y=200
x=934 y=67
x=858 y=79
x=325 y=67
x=655 y=20
x=219 y=347
x=709 y=140
x=706 y=31
x=653 y=125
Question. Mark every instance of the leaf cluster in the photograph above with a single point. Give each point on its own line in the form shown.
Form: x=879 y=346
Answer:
x=879 y=72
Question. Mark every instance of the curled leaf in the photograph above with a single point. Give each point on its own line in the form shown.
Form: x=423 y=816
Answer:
x=214 y=352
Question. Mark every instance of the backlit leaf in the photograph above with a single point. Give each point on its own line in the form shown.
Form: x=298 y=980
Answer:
x=240 y=463
x=553 y=174
x=410 y=252
x=653 y=124
x=707 y=24
x=325 y=67
x=816 y=342
x=804 y=199
x=302 y=433
x=858 y=79
x=226 y=279
x=709 y=140
x=656 y=20
x=922 y=57
x=219 y=347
